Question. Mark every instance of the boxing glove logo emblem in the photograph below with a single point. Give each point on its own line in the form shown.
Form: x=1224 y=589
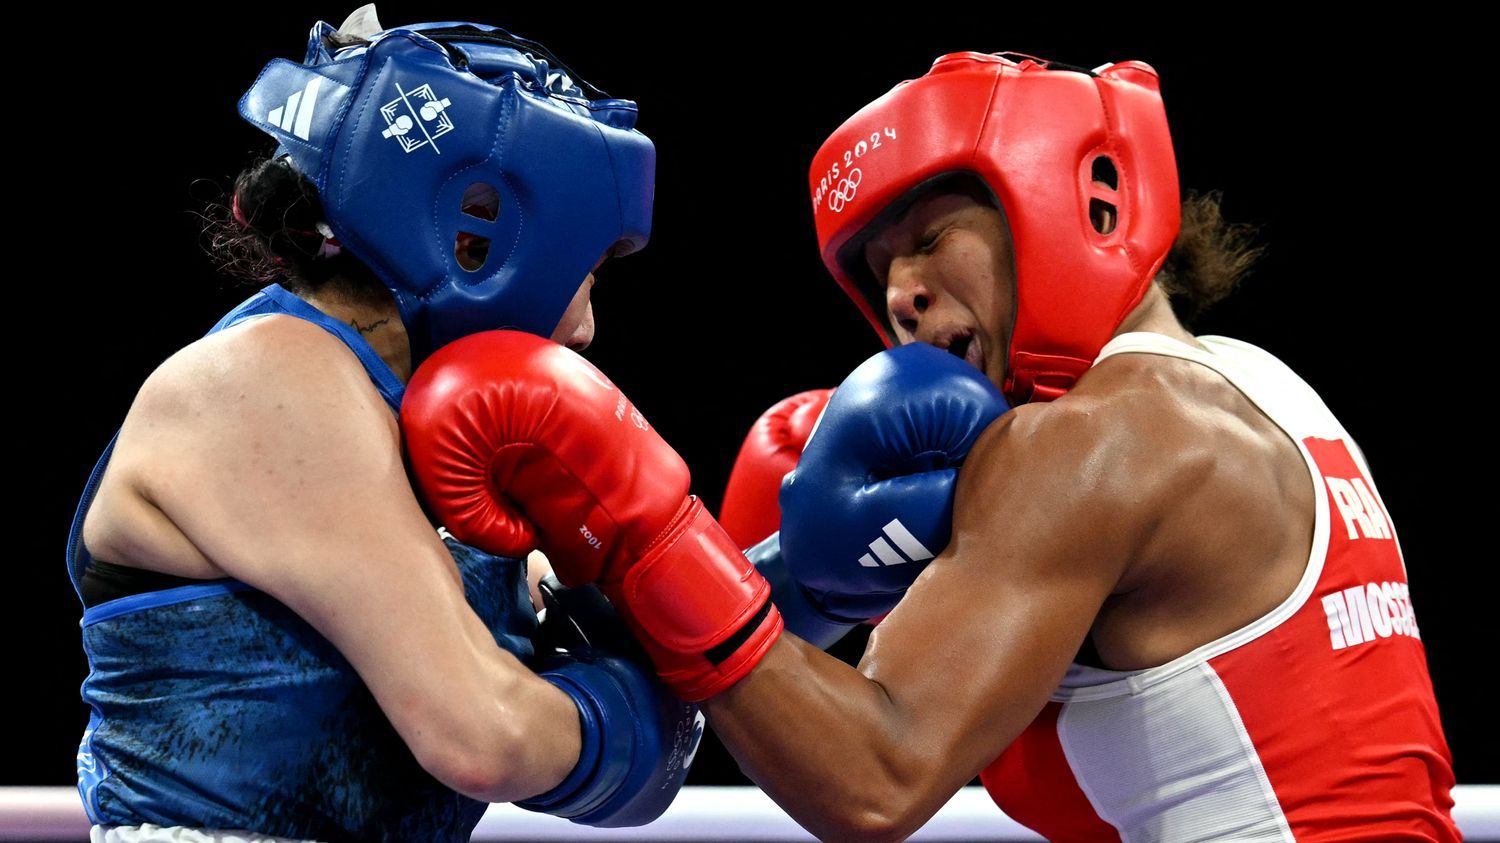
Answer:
x=907 y=548
x=417 y=118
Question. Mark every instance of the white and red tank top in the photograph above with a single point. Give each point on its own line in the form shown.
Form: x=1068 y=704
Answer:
x=1314 y=722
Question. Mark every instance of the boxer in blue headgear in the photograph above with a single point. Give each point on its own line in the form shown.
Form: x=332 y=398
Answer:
x=279 y=641
x=416 y=136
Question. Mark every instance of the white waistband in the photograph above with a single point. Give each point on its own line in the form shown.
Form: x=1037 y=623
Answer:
x=148 y=833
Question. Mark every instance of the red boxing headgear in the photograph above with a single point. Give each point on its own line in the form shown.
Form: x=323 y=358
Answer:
x=1048 y=143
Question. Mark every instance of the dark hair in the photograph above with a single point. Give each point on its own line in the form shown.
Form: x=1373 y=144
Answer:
x=1209 y=257
x=267 y=232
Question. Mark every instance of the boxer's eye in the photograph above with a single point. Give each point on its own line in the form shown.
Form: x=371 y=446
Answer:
x=930 y=239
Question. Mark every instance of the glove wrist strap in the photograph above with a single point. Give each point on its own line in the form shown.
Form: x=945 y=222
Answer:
x=700 y=607
x=588 y=784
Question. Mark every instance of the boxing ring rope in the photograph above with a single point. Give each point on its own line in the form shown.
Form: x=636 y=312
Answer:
x=699 y=814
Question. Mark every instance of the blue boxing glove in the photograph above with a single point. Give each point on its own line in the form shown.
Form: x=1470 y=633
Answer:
x=638 y=739
x=871 y=499
x=803 y=612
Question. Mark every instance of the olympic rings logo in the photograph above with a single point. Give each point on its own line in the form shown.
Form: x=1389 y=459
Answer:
x=843 y=194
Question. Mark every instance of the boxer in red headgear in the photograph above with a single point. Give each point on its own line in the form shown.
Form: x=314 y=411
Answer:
x=1173 y=606
x=1080 y=165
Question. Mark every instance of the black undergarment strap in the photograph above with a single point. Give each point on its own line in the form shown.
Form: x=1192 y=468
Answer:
x=106 y=581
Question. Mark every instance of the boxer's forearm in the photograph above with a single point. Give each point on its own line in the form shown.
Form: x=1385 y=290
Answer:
x=829 y=746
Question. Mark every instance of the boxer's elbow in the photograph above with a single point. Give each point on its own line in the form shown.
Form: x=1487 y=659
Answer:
x=488 y=766
x=865 y=826
x=498 y=738
x=885 y=806
x=870 y=821
x=494 y=732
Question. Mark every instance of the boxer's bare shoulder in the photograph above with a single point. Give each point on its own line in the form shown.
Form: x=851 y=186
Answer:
x=1212 y=498
x=1074 y=485
x=267 y=356
x=216 y=421
x=1117 y=437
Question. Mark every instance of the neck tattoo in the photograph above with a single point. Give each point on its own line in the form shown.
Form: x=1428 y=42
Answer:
x=365 y=329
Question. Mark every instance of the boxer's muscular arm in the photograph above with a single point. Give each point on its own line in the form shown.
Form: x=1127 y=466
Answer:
x=1050 y=506
x=293 y=483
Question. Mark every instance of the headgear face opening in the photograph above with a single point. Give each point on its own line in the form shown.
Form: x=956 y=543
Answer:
x=396 y=127
x=1080 y=163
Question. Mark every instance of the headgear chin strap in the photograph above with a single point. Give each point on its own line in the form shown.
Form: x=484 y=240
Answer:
x=1049 y=143
x=393 y=127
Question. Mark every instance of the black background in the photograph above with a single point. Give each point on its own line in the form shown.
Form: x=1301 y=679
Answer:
x=1342 y=148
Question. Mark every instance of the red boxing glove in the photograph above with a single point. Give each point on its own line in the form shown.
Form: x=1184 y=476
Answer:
x=516 y=441
x=750 y=512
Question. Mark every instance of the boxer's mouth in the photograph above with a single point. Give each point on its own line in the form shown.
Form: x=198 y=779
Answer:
x=968 y=348
x=974 y=355
x=959 y=345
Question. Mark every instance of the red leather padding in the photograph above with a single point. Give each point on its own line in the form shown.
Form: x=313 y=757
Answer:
x=1032 y=134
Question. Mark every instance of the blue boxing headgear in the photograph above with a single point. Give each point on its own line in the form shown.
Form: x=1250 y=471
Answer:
x=394 y=127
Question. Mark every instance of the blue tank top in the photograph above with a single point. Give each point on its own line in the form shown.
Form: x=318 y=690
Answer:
x=215 y=706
